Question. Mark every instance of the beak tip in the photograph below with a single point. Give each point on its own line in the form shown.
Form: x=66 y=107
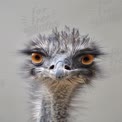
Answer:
x=59 y=74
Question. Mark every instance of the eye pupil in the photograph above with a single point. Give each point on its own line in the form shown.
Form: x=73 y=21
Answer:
x=37 y=57
x=86 y=59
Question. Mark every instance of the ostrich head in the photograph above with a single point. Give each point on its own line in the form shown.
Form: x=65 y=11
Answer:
x=59 y=63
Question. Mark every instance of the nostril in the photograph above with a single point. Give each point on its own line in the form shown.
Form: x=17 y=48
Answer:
x=67 y=67
x=51 y=67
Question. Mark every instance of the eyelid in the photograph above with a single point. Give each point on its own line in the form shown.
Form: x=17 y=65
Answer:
x=39 y=52
x=30 y=51
x=94 y=52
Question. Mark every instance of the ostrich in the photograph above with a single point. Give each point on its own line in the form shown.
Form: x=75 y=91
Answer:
x=58 y=64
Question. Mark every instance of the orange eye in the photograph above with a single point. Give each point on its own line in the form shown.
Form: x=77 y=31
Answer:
x=36 y=58
x=87 y=59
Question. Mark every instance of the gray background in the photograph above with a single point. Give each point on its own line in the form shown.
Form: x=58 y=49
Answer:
x=102 y=19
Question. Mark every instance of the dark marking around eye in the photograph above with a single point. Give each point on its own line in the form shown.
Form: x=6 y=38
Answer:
x=35 y=50
x=94 y=52
x=32 y=71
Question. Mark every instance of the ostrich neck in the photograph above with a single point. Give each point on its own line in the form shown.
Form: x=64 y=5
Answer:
x=55 y=102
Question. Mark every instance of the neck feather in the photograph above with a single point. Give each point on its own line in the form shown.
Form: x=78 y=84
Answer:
x=53 y=103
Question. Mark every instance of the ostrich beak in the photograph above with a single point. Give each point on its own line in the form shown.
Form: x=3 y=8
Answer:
x=60 y=70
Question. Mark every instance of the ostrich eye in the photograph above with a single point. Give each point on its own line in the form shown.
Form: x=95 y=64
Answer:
x=87 y=59
x=36 y=58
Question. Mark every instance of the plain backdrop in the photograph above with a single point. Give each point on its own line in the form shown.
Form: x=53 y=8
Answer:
x=101 y=19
